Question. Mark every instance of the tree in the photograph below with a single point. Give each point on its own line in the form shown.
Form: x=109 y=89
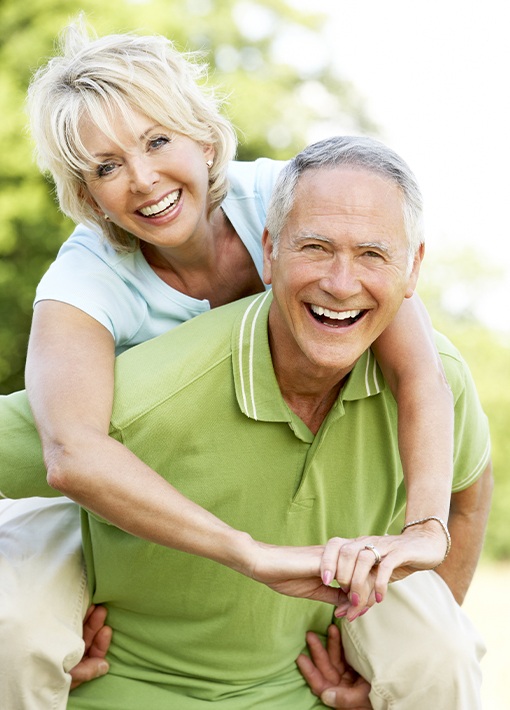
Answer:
x=272 y=104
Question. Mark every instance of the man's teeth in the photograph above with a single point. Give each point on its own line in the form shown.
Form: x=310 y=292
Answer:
x=334 y=315
x=166 y=202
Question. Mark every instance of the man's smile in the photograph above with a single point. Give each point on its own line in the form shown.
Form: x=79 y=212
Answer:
x=335 y=319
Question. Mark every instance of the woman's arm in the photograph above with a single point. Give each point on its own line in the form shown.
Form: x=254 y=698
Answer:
x=70 y=370
x=412 y=367
x=69 y=377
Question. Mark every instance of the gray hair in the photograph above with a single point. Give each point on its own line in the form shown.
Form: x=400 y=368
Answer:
x=356 y=152
x=97 y=77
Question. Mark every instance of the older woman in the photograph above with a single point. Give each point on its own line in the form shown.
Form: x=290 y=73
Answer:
x=170 y=226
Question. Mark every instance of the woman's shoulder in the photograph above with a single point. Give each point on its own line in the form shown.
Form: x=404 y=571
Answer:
x=253 y=178
x=85 y=239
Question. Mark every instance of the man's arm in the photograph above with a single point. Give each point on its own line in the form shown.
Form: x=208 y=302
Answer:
x=467 y=521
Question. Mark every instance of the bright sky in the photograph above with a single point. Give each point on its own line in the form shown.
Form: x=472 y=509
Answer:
x=435 y=76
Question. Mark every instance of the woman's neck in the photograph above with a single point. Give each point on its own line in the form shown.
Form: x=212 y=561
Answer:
x=219 y=269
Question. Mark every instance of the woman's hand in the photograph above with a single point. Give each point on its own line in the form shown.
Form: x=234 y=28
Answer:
x=356 y=568
x=329 y=675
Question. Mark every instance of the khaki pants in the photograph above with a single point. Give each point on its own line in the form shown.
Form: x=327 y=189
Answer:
x=417 y=649
x=43 y=598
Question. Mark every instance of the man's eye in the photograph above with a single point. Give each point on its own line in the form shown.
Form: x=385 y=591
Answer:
x=314 y=247
x=372 y=254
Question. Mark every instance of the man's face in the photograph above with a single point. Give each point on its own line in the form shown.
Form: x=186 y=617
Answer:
x=341 y=271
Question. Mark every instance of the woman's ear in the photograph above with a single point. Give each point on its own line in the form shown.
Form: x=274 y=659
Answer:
x=85 y=196
x=209 y=152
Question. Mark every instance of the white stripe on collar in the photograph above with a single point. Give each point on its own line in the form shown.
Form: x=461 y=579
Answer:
x=262 y=299
x=371 y=362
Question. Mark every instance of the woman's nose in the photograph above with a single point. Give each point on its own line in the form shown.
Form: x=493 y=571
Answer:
x=143 y=176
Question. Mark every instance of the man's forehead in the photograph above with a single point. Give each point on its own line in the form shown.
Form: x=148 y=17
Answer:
x=356 y=196
x=340 y=180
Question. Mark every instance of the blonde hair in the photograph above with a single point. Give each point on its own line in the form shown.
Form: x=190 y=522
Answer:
x=99 y=77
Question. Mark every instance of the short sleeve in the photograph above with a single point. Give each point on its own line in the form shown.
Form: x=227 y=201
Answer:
x=22 y=471
x=472 y=447
x=85 y=275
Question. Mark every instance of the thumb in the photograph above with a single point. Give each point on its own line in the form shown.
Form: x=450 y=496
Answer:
x=328 y=697
x=354 y=696
x=88 y=669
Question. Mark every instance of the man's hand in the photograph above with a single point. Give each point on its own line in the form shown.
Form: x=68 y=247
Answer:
x=97 y=639
x=329 y=675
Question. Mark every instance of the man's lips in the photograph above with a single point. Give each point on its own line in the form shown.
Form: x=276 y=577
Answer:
x=335 y=319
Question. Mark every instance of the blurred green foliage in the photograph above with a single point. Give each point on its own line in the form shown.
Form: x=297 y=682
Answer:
x=487 y=353
x=268 y=100
x=272 y=101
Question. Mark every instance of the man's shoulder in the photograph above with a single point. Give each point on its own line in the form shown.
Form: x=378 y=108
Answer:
x=456 y=369
x=158 y=368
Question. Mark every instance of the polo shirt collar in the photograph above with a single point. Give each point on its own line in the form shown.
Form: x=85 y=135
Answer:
x=257 y=390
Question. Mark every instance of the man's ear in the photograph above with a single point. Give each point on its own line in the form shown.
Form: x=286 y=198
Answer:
x=415 y=271
x=267 y=250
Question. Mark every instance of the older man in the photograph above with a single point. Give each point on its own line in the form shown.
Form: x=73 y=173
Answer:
x=281 y=425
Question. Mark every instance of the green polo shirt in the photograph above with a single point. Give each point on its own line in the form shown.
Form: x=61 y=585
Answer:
x=201 y=405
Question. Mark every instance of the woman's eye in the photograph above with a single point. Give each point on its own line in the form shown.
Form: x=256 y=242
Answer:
x=159 y=141
x=105 y=169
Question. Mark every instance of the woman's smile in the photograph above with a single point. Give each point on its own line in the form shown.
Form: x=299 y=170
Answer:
x=163 y=207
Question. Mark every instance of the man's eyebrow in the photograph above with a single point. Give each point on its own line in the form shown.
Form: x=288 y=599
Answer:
x=381 y=246
x=305 y=235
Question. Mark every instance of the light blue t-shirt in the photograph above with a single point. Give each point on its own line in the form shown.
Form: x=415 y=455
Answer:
x=123 y=293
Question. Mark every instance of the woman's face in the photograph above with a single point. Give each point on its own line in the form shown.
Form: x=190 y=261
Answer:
x=153 y=183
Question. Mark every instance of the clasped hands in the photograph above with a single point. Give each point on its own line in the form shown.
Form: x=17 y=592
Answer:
x=352 y=574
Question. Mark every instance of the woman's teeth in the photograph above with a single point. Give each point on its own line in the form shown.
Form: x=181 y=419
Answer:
x=165 y=204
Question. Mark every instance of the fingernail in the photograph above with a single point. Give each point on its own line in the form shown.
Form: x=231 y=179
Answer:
x=328 y=697
x=327 y=577
x=378 y=597
x=354 y=599
x=364 y=611
x=338 y=613
x=102 y=668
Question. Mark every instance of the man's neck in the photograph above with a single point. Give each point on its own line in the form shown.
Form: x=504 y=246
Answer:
x=309 y=393
x=312 y=408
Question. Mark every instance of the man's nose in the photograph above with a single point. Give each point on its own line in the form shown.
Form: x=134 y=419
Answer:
x=142 y=175
x=341 y=280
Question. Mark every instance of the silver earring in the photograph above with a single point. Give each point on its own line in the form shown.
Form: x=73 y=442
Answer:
x=106 y=217
x=209 y=163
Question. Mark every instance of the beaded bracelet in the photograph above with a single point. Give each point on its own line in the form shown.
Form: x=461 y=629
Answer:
x=441 y=523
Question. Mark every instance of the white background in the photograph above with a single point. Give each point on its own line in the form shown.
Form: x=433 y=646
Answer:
x=435 y=76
